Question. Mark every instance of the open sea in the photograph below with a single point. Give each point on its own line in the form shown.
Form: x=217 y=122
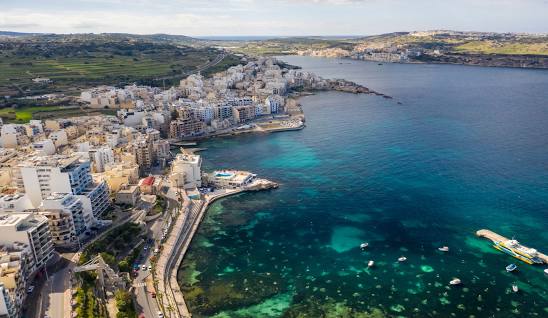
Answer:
x=466 y=149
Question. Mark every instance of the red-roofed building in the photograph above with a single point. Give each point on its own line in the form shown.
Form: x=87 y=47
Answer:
x=147 y=185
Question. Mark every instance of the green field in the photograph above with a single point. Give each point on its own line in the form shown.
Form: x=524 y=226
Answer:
x=491 y=47
x=24 y=114
x=74 y=66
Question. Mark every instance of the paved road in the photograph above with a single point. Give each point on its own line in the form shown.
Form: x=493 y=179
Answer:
x=55 y=295
x=143 y=287
x=56 y=287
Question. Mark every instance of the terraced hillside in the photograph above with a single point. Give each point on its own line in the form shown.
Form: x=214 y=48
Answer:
x=76 y=63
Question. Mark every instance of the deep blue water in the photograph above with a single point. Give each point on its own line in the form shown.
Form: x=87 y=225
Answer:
x=466 y=149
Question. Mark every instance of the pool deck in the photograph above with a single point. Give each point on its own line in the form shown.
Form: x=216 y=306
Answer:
x=497 y=237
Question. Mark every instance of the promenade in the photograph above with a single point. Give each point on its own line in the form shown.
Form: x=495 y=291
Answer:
x=171 y=298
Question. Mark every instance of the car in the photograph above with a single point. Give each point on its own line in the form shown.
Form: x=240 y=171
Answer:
x=160 y=314
x=149 y=267
x=156 y=250
x=30 y=289
x=153 y=295
x=144 y=268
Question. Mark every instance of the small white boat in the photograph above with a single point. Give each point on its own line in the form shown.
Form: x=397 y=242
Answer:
x=363 y=246
x=455 y=281
x=402 y=259
x=515 y=288
x=443 y=249
x=370 y=264
x=511 y=268
x=546 y=271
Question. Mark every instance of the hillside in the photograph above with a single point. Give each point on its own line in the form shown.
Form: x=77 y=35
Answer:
x=461 y=42
x=82 y=60
x=474 y=48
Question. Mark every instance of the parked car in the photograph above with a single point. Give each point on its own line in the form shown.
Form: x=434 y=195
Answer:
x=160 y=314
x=30 y=289
x=144 y=267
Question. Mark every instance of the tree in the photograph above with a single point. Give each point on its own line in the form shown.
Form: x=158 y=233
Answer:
x=124 y=302
x=123 y=266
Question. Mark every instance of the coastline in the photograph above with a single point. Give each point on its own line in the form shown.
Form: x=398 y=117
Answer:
x=188 y=223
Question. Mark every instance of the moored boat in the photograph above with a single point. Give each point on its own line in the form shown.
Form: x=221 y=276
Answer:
x=546 y=271
x=370 y=264
x=514 y=249
x=515 y=288
x=511 y=268
x=402 y=259
x=443 y=249
x=455 y=281
x=363 y=246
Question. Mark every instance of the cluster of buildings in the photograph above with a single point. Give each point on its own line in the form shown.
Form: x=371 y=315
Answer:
x=200 y=106
x=59 y=177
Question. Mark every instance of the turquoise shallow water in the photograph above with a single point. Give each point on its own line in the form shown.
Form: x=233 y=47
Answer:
x=466 y=149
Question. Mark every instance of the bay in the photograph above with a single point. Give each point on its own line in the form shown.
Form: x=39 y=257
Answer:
x=458 y=149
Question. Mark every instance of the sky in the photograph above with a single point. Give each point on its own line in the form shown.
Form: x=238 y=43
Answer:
x=272 y=17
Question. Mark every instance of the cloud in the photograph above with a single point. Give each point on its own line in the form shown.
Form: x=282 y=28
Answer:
x=14 y=26
x=271 y=17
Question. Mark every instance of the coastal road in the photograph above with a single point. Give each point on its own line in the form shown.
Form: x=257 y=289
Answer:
x=143 y=283
x=146 y=303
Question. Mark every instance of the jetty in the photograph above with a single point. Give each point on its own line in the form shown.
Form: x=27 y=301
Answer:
x=180 y=143
x=499 y=238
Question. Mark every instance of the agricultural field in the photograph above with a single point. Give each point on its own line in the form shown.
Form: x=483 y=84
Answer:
x=75 y=65
x=24 y=114
x=492 y=47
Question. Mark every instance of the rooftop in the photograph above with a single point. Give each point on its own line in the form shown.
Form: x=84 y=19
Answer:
x=61 y=161
x=148 y=181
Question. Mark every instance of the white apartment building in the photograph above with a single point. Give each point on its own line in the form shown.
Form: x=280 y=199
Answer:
x=30 y=229
x=12 y=135
x=70 y=204
x=18 y=202
x=16 y=266
x=100 y=158
x=39 y=177
x=186 y=171
x=275 y=103
x=96 y=198
x=44 y=147
x=59 y=138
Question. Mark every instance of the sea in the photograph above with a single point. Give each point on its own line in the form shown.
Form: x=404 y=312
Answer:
x=457 y=149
